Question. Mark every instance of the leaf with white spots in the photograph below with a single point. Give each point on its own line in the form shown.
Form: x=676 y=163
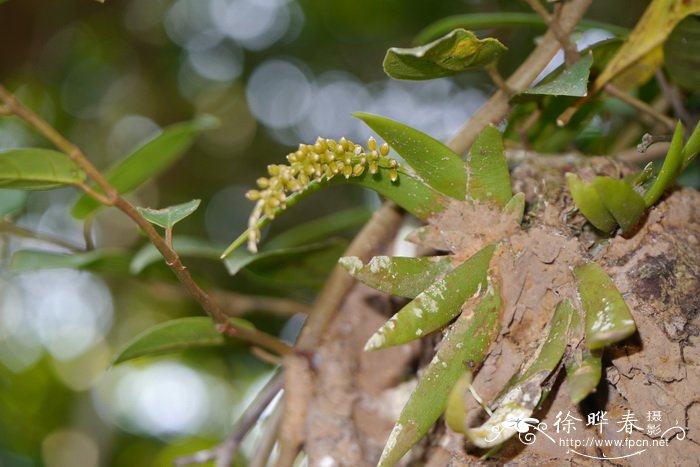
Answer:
x=436 y=305
x=608 y=320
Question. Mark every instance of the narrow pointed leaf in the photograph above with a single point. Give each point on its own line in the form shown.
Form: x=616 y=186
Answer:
x=572 y=81
x=439 y=166
x=402 y=277
x=407 y=191
x=168 y=217
x=488 y=176
x=589 y=203
x=692 y=147
x=32 y=260
x=608 y=320
x=457 y=51
x=185 y=247
x=516 y=207
x=436 y=305
x=37 y=169
x=464 y=347
x=583 y=375
x=522 y=397
x=148 y=160
x=456 y=405
x=670 y=170
x=624 y=204
x=175 y=336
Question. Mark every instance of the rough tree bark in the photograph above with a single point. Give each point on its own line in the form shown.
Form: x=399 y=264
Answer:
x=357 y=396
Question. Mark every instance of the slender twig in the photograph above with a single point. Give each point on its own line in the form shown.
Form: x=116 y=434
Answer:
x=17 y=231
x=268 y=439
x=113 y=198
x=498 y=80
x=637 y=104
x=5 y=110
x=571 y=55
x=224 y=453
x=673 y=96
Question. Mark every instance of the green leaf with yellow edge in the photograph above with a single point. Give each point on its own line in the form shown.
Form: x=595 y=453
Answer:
x=571 y=81
x=439 y=166
x=487 y=168
x=401 y=277
x=651 y=31
x=589 y=203
x=407 y=191
x=436 y=305
x=168 y=217
x=583 y=375
x=457 y=51
x=37 y=169
x=464 y=347
x=608 y=320
x=621 y=200
x=519 y=399
x=670 y=170
x=147 y=161
x=177 y=335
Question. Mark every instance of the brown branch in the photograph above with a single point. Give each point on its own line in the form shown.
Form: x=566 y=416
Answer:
x=643 y=107
x=11 y=229
x=268 y=439
x=224 y=453
x=113 y=198
x=571 y=55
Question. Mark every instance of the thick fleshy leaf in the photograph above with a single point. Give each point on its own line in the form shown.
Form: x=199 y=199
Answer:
x=185 y=246
x=37 y=169
x=583 y=375
x=624 y=204
x=464 y=347
x=571 y=81
x=488 y=179
x=692 y=147
x=402 y=277
x=437 y=305
x=168 y=217
x=671 y=169
x=407 y=191
x=682 y=53
x=148 y=160
x=522 y=397
x=436 y=164
x=11 y=201
x=175 y=336
x=105 y=259
x=589 y=203
x=475 y=21
x=321 y=228
x=457 y=51
x=608 y=320
x=456 y=404
x=516 y=207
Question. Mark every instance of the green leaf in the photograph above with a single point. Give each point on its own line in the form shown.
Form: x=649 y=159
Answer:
x=456 y=407
x=583 y=375
x=175 y=336
x=692 y=147
x=464 y=347
x=169 y=216
x=516 y=207
x=320 y=229
x=522 y=397
x=37 y=169
x=626 y=205
x=458 y=51
x=589 y=203
x=608 y=320
x=407 y=191
x=682 y=53
x=489 y=179
x=32 y=260
x=671 y=169
x=148 y=160
x=571 y=81
x=11 y=201
x=402 y=277
x=475 y=21
x=185 y=246
x=436 y=305
x=439 y=166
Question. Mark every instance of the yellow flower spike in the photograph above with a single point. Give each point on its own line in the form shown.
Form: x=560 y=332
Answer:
x=273 y=170
x=384 y=149
x=253 y=195
x=393 y=175
x=347 y=171
x=393 y=163
x=372 y=143
x=358 y=170
x=303 y=179
x=332 y=145
x=373 y=168
x=263 y=182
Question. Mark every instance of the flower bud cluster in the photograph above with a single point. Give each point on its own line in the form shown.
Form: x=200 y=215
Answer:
x=321 y=161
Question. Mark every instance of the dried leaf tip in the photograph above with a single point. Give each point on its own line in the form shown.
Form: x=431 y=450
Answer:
x=310 y=163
